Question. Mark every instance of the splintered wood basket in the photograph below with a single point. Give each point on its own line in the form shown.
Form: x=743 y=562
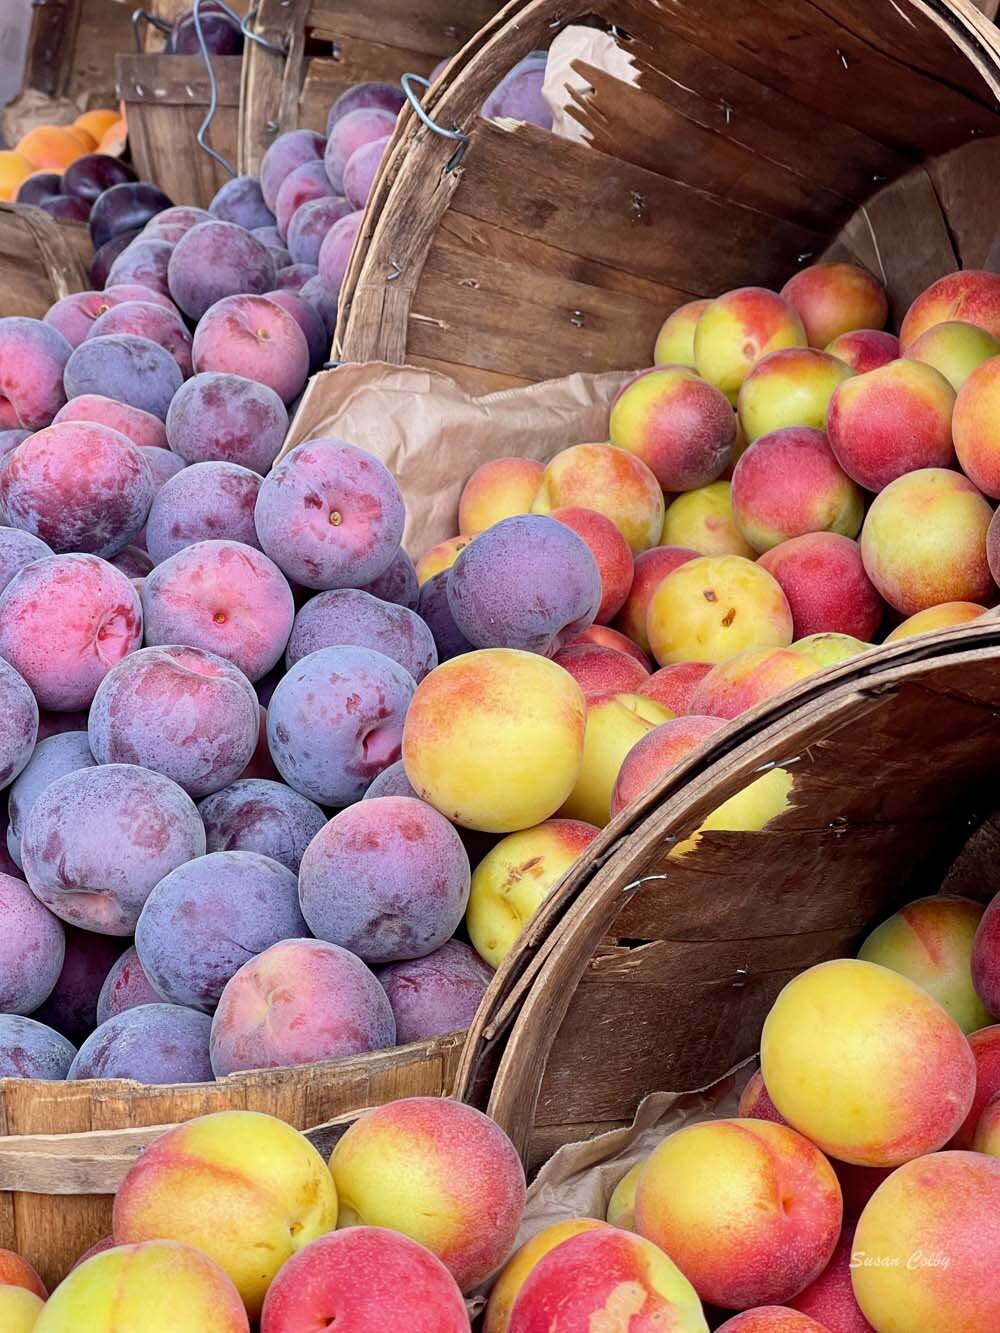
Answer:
x=41 y=260
x=753 y=138
x=320 y=48
x=65 y=1147
x=648 y=969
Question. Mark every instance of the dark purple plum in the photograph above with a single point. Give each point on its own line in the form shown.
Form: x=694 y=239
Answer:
x=40 y=185
x=127 y=368
x=89 y=176
x=98 y=840
x=29 y=1049
x=387 y=878
x=361 y=170
x=518 y=96
x=144 y=263
x=206 y=919
x=125 y=987
x=72 y=1006
x=53 y=758
x=153 y=1044
x=437 y=994
x=184 y=216
x=241 y=201
x=310 y=224
x=286 y=153
x=18 y=723
x=257 y=815
x=364 y=97
x=125 y=207
x=32 y=948
x=146 y=320
x=337 y=248
x=301 y=186
x=163 y=463
x=336 y=720
x=434 y=609
x=330 y=515
x=9 y=440
x=222 y=35
x=398 y=583
x=229 y=419
x=322 y=300
x=66 y=207
x=205 y=501
x=309 y=321
x=106 y=254
x=292 y=277
x=348 y=616
x=392 y=781
x=349 y=133
x=217 y=259
x=182 y=712
x=18 y=549
x=134 y=562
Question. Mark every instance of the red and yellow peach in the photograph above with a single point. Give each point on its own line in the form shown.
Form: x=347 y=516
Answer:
x=828 y=649
x=440 y=557
x=738 y=330
x=621 y=1205
x=865 y=349
x=789 y=388
x=824 y=579
x=945 y=616
x=611 y=481
x=675 y=340
x=955 y=349
x=987 y=1138
x=605 y=637
x=673 y=686
x=660 y=750
x=970 y=295
x=615 y=722
x=611 y=554
x=755 y=1102
x=771 y=1319
x=747 y=679
x=986 y=960
x=498 y=489
x=518 y=1267
x=830 y=1299
x=650 y=569
x=702 y=520
x=600 y=670
x=680 y=426
x=832 y=299
x=17 y=1272
x=985 y=1046
x=19 y=1310
x=975 y=428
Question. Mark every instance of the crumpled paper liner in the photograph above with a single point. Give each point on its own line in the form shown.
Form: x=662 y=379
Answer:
x=432 y=435
x=585 y=46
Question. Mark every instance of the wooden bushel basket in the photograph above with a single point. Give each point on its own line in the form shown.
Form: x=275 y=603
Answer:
x=71 y=49
x=754 y=137
x=41 y=260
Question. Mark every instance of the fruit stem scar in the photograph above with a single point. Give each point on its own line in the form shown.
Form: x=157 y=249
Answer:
x=219 y=617
x=335 y=518
x=709 y=595
x=729 y=617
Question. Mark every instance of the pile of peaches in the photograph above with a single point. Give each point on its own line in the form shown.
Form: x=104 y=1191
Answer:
x=44 y=155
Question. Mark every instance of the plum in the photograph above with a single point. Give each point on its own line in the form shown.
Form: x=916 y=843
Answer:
x=305 y=183
x=434 y=609
x=362 y=168
x=227 y=418
x=310 y=224
x=217 y=259
x=18 y=723
x=349 y=133
x=142 y=428
x=147 y=320
x=220 y=32
x=518 y=95
x=309 y=321
x=241 y=200
x=202 y=502
x=33 y=359
x=398 y=583
x=350 y=616
x=89 y=176
x=293 y=277
x=365 y=97
x=125 y=207
x=129 y=369
x=54 y=757
x=29 y=1049
x=287 y=152
x=105 y=255
x=38 y=186
x=32 y=948
x=66 y=207
x=392 y=781
x=145 y=262
x=257 y=815
x=125 y=987
x=322 y=300
x=153 y=1043
x=337 y=248
x=72 y=1007
x=437 y=994
x=254 y=336
x=17 y=550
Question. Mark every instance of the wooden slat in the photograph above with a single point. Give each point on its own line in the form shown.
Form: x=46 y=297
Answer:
x=41 y=260
x=356 y=62
x=428 y=27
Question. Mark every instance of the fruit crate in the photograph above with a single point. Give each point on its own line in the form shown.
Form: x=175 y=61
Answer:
x=65 y=1147
x=315 y=50
x=71 y=48
x=41 y=260
x=750 y=142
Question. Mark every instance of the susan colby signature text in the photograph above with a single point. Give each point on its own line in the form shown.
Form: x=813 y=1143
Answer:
x=911 y=1262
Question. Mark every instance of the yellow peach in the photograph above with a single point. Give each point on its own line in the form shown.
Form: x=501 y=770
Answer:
x=749 y=811
x=702 y=520
x=615 y=722
x=610 y=481
x=20 y=1309
x=955 y=349
x=675 y=340
x=789 y=388
x=440 y=557
x=501 y=488
x=935 y=618
x=621 y=1205
x=829 y=648
x=710 y=609
x=738 y=330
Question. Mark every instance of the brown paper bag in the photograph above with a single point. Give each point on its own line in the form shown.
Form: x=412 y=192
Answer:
x=431 y=434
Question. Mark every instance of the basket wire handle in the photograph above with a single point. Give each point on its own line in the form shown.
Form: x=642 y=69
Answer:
x=213 y=87
x=141 y=16
x=407 y=81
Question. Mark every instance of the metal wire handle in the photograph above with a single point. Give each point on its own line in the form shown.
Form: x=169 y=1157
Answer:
x=141 y=16
x=459 y=135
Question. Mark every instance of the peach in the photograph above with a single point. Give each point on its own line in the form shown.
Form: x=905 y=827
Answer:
x=971 y=296
x=521 y=1263
x=824 y=579
x=681 y=427
x=749 y=1210
x=746 y=680
x=789 y=388
x=364 y=1280
x=19 y=1310
x=441 y=1173
x=660 y=750
x=122 y=1287
x=749 y=811
x=611 y=554
x=494 y=739
x=600 y=670
x=828 y=649
x=927 y=1248
x=17 y=1272
x=703 y=521
x=771 y=1319
x=675 y=340
x=832 y=299
x=611 y=481
x=50 y=148
x=955 y=349
x=755 y=1102
x=829 y=1299
x=615 y=722
x=985 y=1045
x=440 y=558
x=986 y=960
x=606 y=1279
x=33 y=358
x=710 y=609
x=930 y=941
x=650 y=569
x=244 y=1188
x=788 y=483
x=611 y=638
x=621 y=1205
x=987 y=1138
x=894 y=420
x=935 y=618
x=738 y=330
x=865 y=349
x=498 y=489
x=924 y=542
x=515 y=877
x=13 y=170
x=673 y=686
x=866 y=1063
x=977 y=437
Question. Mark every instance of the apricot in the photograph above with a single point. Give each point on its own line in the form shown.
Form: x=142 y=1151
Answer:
x=866 y=1063
x=927 y=1248
x=50 y=148
x=681 y=427
x=750 y=1210
x=500 y=488
x=611 y=481
x=930 y=941
x=789 y=388
x=14 y=168
x=865 y=349
x=650 y=569
x=738 y=330
x=621 y=1205
x=521 y=1263
x=971 y=296
x=832 y=299
x=823 y=577
x=924 y=541
x=703 y=521
x=440 y=558
x=976 y=429
x=615 y=722
x=96 y=123
x=936 y=617
x=955 y=349
x=660 y=750
x=746 y=680
x=894 y=420
x=673 y=686
x=710 y=609
x=494 y=739
x=675 y=340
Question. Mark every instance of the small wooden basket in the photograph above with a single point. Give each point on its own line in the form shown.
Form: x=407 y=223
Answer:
x=72 y=46
x=41 y=260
